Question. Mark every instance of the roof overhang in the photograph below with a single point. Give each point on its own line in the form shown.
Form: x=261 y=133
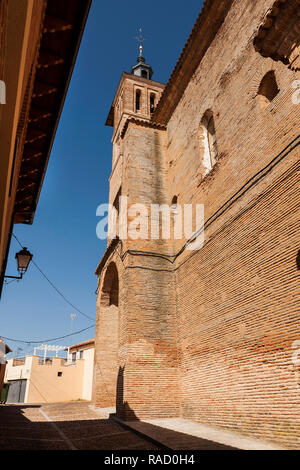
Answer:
x=83 y=344
x=61 y=34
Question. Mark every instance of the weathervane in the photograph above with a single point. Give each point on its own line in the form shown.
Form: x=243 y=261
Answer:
x=140 y=38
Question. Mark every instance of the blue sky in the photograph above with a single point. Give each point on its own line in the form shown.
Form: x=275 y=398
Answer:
x=63 y=236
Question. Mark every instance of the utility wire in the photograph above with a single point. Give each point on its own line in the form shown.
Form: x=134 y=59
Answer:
x=46 y=340
x=54 y=287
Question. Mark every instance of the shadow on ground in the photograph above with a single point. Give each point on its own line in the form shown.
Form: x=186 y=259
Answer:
x=74 y=426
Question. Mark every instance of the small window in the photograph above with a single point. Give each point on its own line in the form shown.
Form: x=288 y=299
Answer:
x=138 y=100
x=208 y=141
x=174 y=203
x=74 y=357
x=59 y=374
x=212 y=140
x=80 y=354
x=144 y=74
x=268 y=89
x=152 y=103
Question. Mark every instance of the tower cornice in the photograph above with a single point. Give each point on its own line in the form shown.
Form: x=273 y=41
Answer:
x=142 y=123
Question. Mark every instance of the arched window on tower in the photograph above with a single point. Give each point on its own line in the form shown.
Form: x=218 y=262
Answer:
x=208 y=141
x=138 y=100
x=174 y=202
x=152 y=103
x=268 y=89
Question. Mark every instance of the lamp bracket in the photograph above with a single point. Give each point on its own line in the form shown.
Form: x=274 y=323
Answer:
x=14 y=277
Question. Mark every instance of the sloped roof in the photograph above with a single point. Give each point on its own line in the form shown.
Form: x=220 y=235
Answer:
x=206 y=27
x=88 y=342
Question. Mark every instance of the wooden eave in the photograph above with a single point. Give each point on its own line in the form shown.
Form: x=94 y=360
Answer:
x=61 y=34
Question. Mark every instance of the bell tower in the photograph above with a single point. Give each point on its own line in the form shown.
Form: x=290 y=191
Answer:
x=136 y=359
x=136 y=97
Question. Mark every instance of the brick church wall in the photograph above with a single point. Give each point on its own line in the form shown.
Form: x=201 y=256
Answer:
x=208 y=335
x=238 y=296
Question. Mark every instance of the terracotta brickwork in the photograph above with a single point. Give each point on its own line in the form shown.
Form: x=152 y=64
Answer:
x=208 y=335
x=124 y=108
x=239 y=321
x=106 y=363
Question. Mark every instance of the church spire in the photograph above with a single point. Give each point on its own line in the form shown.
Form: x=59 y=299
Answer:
x=141 y=69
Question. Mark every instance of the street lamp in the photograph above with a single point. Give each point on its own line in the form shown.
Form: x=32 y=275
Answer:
x=23 y=258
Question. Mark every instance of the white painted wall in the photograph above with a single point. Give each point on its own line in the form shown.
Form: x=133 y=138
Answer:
x=19 y=372
x=88 y=355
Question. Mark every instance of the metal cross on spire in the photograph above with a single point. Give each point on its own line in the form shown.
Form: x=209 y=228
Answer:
x=140 y=38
